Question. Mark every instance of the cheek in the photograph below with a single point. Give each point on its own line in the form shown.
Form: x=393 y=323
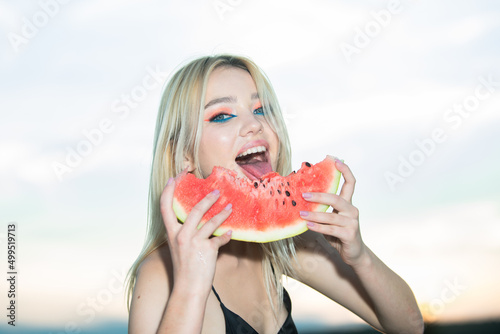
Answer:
x=216 y=143
x=215 y=148
x=274 y=146
x=276 y=154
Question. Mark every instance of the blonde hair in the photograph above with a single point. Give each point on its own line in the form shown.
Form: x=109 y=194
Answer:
x=177 y=136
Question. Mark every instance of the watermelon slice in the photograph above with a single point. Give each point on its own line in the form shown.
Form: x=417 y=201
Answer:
x=264 y=210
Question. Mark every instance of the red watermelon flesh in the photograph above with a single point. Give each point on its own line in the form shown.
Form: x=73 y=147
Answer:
x=265 y=209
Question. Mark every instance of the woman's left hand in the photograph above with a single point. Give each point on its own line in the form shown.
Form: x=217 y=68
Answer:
x=340 y=227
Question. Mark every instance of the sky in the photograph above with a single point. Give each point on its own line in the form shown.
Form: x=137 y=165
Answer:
x=406 y=92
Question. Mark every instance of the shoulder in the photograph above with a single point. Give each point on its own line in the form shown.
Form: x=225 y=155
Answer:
x=157 y=266
x=151 y=291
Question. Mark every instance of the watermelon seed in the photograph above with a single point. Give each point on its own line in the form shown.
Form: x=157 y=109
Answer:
x=287 y=193
x=308 y=164
x=279 y=191
x=271 y=192
x=288 y=183
x=293 y=203
x=283 y=202
x=255 y=184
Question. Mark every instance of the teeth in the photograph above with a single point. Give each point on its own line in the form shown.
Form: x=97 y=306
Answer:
x=252 y=150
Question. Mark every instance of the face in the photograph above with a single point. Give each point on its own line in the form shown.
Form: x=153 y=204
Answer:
x=235 y=133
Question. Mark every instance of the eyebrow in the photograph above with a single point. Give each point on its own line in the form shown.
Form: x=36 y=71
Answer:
x=228 y=99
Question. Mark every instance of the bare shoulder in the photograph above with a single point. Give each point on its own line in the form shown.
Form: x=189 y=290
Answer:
x=152 y=288
x=157 y=265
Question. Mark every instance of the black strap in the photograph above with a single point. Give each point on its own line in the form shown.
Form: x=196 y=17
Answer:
x=216 y=295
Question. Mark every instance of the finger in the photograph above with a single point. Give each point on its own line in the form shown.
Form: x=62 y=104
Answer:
x=331 y=230
x=210 y=226
x=338 y=203
x=347 y=190
x=167 y=212
x=344 y=234
x=324 y=218
x=198 y=211
x=222 y=239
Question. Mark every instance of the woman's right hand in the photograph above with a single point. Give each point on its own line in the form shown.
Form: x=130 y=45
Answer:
x=194 y=251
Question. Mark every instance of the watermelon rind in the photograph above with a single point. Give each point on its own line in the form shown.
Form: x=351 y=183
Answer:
x=294 y=228
x=179 y=210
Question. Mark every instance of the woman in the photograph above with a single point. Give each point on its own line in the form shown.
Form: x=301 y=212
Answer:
x=185 y=281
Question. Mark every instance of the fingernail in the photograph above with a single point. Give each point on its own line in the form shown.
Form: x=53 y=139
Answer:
x=304 y=213
x=339 y=161
x=229 y=232
x=228 y=207
x=170 y=181
x=215 y=192
x=310 y=224
x=306 y=195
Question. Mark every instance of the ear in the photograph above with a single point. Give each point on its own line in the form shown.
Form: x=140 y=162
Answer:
x=188 y=163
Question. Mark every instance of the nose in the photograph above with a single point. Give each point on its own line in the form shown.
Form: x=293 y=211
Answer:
x=251 y=124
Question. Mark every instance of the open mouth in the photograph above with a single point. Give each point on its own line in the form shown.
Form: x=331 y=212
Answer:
x=254 y=162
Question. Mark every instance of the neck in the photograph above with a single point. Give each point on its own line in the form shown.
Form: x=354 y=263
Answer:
x=242 y=251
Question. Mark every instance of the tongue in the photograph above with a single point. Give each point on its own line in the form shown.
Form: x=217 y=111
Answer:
x=257 y=169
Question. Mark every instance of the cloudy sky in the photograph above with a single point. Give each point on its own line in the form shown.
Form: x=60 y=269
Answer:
x=406 y=92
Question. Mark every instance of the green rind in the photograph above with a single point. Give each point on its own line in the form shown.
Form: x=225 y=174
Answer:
x=258 y=236
x=179 y=210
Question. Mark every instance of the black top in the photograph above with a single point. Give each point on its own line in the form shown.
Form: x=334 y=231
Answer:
x=236 y=325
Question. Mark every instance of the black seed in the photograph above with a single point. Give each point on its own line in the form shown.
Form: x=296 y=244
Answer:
x=271 y=192
x=283 y=202
x=279 y=191
x=264 y=185
x=308 y=164
x=293 y=203
x=255 y=184
x=288 y=183
x=287 y=193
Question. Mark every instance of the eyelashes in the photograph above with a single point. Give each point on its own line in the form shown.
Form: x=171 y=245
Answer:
x=224 y=115
x=221 y=118
x=259 y=111
x=220 y=115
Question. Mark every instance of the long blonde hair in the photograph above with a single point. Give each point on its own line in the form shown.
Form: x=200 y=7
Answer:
x=177 y=136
